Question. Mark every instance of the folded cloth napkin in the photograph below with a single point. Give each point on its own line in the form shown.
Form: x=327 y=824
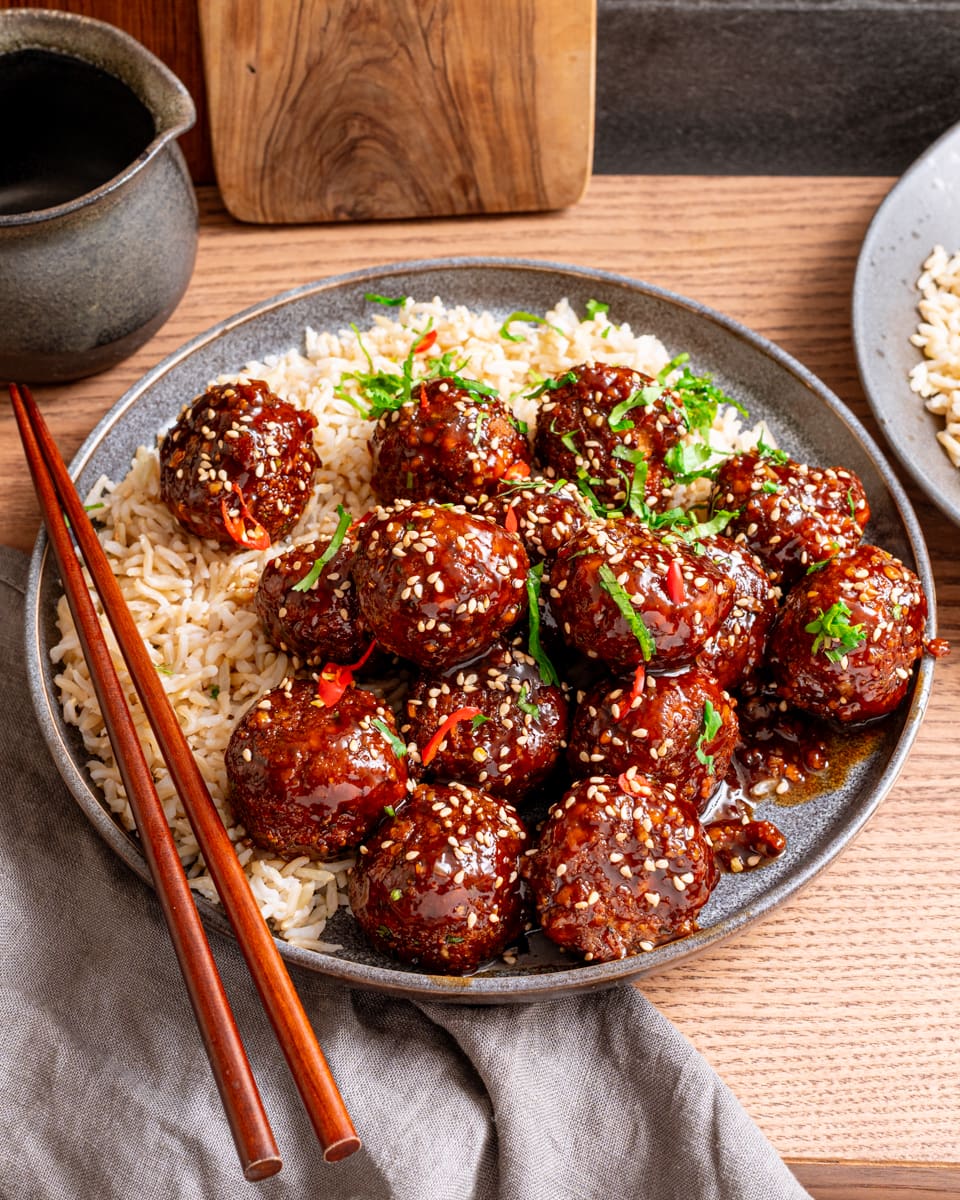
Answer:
x=107 y=1093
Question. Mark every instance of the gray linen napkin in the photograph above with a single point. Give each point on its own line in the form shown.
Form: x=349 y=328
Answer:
x=106 y=1092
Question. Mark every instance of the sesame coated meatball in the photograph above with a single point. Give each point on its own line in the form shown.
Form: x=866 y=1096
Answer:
x=437 y=585
x=438 y=884
x=517 y=735
x=595 y=414
x=789 y=514
x=621 y=867
x=319 y=623
x=624 y=596
x=844 y=645
x=735 y=652
x=676 y=729
x=237 y=465
x=545 y=513
x=307 y=778
x=448 y=443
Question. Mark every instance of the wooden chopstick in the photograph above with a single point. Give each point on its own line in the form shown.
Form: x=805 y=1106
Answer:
x=248 y=1122
x=305 y=1059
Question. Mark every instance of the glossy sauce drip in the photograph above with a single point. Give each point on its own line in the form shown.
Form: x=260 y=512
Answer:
x=68 y=128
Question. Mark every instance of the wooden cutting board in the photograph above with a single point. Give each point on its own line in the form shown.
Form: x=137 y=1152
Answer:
x=351 y=110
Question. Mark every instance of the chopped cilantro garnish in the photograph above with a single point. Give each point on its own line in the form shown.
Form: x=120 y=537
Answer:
x=396 y=745
x=385 y=933
x=343 y=524
x=546 y=668
x=818 y=566
x=711 y=727
x=695 y=461
x=525 y=704
x=452 y=940
x=770 y=488
x=853 y=507
x=618 y=595
x=477 y=721
x=214 y=692
x=389 y=810
x=595 y=307
x=642 y=398
x=389 y=301
x=396 y=894
x=898 y=612
x=771 y=452
x=698 y=395
x=164 y=669
x=523 y=316
x=833 y=632
x=551 y=385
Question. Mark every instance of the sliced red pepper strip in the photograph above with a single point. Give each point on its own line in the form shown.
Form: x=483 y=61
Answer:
x=510 y=522
x=431 y=748
x=425 y=342
x=335 y=679
x=625 y=784
x=675 y=588
x=245 y=529
x=517 y=470
x=424 y=402
x=639 y=678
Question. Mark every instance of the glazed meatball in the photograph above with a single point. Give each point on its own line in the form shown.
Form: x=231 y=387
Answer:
x=447 y=444
x=438 y=884
x=308 y=778
x=237 y=465
x=321 y=623
x=437 y=585
x=791 y=515
x=510 y=752
x=595 y=414
x=545 y=513
x=735 y=652
x=621 y=595
x=846 y=640
x=677 y=729
x=621 y=867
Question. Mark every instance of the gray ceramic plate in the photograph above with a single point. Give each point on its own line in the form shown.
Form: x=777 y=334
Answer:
x=921 y=211
x=806 y=418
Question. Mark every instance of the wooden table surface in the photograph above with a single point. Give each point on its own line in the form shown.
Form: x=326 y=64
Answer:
x=835 y=1020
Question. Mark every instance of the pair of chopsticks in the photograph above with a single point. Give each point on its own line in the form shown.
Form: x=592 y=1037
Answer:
x=248 y=1122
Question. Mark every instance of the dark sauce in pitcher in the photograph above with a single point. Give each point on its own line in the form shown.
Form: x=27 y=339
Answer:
x=67 y=128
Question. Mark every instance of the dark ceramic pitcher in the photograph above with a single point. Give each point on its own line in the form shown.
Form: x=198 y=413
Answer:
x=98 y=217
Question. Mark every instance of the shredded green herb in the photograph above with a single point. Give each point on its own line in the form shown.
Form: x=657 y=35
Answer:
x=618 y=595
x=595 y=308
x=833 y=632
x=698 y=395
x=551 y=385
x=853 y=507
x=712 y=722
x=770 y=488
x=772 y=453
x=642 y=398
x=344 y=522
x=389 y=301
x=396 y=745
x=525 y=704
x=695 y=461
x=818 y=566
x=396 y=894
x=546 y=668
x=477 y=721
x=214 y=692
x=523 y=316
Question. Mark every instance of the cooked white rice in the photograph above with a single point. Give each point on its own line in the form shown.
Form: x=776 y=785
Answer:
x=937 y=378
x=193 y=602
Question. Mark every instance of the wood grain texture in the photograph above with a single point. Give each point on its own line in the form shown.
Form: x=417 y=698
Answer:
x=333 y=110
x=171 y=32
x=835 y=1020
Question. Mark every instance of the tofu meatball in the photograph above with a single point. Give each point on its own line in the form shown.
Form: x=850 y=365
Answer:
x=513 y=730
x=448 y=443
x=321 y=622
x=735 y=652
x=676 y=729
x=545 y=513
x=846 y=640
x=436 y=584
x=597 y=412
x=308 y=778
x=621 y=867
x=621 y=595
x=789 y=514
x=438 y=884
x=238 y=464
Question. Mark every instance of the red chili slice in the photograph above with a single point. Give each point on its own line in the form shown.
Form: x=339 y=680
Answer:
x=424 y=402
x=245 y=529
x=675 y=588
x=431 y=748
x=639 y=678
x=335 y=679
x=517 y=470
x=510 y=523
x=425 y=342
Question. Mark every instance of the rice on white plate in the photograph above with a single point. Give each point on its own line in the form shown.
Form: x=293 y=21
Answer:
x=193 y=601
x=937 y=378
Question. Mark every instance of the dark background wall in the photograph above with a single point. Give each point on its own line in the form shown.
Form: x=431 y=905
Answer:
x=704 y=86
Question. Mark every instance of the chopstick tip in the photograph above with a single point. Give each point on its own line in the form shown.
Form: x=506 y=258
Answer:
x=342 y=1148
x=262 y=1168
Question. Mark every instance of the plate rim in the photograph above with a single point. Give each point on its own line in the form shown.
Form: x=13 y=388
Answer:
x=580 y=977
x=865 y=368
